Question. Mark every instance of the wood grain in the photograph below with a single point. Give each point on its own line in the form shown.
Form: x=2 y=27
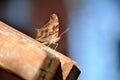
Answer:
x=24 y=56
x=68 y=69
x=32 y=60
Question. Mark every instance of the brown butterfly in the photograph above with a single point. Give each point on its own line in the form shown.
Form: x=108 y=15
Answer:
x=49 y=33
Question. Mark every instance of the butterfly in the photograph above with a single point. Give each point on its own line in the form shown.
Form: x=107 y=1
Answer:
x=49 y=33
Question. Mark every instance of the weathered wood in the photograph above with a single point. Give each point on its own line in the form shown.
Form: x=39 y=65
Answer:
x=24 y=56
x=68 y=69
x=32 y=60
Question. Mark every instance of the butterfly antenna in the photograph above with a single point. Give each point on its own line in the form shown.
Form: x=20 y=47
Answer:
x=64 y=31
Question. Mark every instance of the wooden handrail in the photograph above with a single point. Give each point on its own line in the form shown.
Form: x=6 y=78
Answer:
x=31 y=60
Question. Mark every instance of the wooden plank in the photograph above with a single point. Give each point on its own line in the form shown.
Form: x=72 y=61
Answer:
x=24 y=56
x=68 y=69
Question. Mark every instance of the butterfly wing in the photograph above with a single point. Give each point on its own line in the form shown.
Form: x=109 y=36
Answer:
x=50 y=31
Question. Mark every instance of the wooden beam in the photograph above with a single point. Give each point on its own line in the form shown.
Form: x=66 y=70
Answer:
x=32 y=60
x=68 y=69
x=24 y=56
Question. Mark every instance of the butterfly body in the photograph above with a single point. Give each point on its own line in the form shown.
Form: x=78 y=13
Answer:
x=49 y=33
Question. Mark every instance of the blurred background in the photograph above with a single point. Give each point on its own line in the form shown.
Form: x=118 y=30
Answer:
x=93 y=38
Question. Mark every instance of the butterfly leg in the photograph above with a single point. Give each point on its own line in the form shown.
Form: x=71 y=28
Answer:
x=56 y=45
x=49 y=44
x=53 y=46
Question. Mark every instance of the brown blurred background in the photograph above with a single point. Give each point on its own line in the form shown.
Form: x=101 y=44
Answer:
x=25 y=15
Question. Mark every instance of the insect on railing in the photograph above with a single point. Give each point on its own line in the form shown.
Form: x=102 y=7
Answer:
x=49 y=33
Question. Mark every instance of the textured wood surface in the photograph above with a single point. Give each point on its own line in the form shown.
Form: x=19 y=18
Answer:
x=68 y=69
x=32 y=60
x=24 y=56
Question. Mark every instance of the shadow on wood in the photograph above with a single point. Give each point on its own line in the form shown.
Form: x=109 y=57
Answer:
x=58 y=75
x=6 y=75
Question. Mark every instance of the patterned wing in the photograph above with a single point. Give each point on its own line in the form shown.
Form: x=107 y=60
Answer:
x=49 y=32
